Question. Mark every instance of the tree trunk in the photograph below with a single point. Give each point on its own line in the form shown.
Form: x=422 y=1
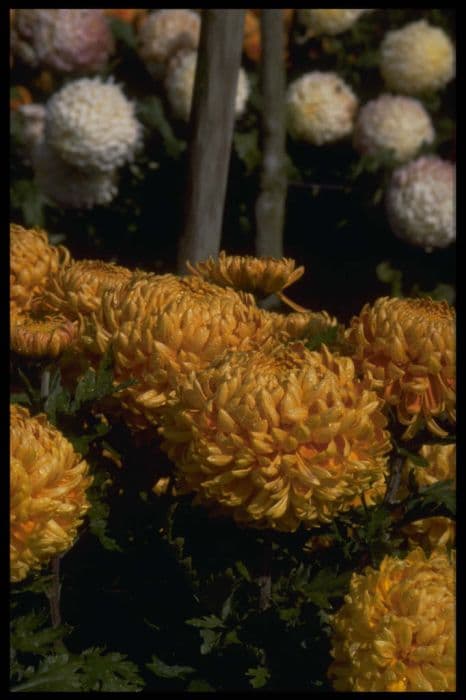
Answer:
x=270 y=205
x=212 y=119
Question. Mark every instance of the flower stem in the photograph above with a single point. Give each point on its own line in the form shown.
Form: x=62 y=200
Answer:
x=54 y=593
x=265 y=578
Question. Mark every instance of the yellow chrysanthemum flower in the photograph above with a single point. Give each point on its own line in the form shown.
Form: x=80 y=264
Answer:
x=396 y=628
x=33 y=261
x=258 y=275
x=48 y=482
x=165 y=328
x=436 y=531
x=41 y=335
x=77 y=290
x=406 y=350
x=276 y=437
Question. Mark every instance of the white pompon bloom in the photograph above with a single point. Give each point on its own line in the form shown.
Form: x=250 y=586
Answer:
x=393 y=122
x=320 y=108
x=179 y=84
x=165 y=32
x=91 y=125
x=68 y=186
x=327 y=21
x=417 y=58
x=420 y=202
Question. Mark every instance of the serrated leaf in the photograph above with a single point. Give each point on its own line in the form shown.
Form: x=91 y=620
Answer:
x=109 y=672
x=57 y=673
x=210 y=640
x=325 y=585
x=163 y=670
x=207 y=622
x=258 y=676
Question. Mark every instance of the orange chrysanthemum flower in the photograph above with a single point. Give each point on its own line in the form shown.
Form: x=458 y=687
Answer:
x=164 y=327
x=396 y=628
x=258 y=275
x=406 y=350
x=41 y=335
x=33 y=261
x=77 y=292
x=276 y=437
x=252 y=45
x=48 y=482
x=78 y=289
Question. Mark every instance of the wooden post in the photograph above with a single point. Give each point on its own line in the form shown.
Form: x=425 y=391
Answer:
x=270 y=205
x=212 y=119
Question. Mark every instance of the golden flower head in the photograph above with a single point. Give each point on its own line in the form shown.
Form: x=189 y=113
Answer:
x=264 y=275
x=406 y=350
x=276 y=437
x=48 y=482
x=165 y=327
x=396 y=628
x=32 y=262
x=78 y=289
x=39 y=335
x=437 y=531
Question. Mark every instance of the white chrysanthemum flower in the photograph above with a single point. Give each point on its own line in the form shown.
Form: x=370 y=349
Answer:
x=165 y=32
x=327 y=21
x=321 y=108
x=91 y=125
x=417 y=58
x=68 y=186
x=393 y=122
x=420 y=202
x=179 y=84
x=68 y=41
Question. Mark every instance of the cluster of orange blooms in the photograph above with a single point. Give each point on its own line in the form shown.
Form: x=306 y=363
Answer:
x=258 y=427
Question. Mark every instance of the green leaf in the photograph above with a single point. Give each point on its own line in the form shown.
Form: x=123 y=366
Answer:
x=246 y=145
x=98 y=517
x=20 y=397
x=26 y=196
x=124 y=32
x=325 y=585
x=416 y=459
x=210 y=640
x=27 y=637
x=151 y=112
x=442 y=493
x=207 y=622
x=387 y=274
x=327 y=337
x=258 y=676
x=57 y=673
x=242 y=570
x=163 y=670
x=109 y=672
x=58 y=399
